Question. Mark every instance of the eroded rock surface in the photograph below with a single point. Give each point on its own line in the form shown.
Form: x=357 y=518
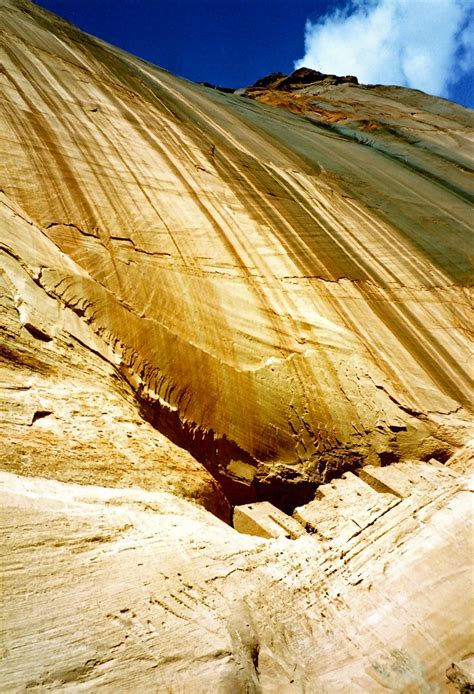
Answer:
x=127 y=590
x=204 y=302
x=65 y=414
x=272 y=290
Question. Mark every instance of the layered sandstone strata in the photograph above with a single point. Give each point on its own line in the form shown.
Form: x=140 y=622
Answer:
x=273 y=291
x=206 y=301
x=126 y=590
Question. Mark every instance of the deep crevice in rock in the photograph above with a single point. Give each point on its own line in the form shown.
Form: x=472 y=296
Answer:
x=39 y=414
x=388 y=457
x=285 y=486
x=214 y=453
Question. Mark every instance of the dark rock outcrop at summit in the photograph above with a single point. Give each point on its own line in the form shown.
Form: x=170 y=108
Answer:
x=302 y=77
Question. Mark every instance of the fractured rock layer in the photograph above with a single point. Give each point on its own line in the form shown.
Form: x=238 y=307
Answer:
x=279 y=297
x=192 y=277
x=160 y=595
x=64 y=413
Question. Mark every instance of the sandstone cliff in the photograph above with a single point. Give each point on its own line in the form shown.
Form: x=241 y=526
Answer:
x=209 y=298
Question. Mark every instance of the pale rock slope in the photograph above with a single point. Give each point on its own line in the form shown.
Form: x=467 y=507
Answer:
x=204 y=301
x=115 y=590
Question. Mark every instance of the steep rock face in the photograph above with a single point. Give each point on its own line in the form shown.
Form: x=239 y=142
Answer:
x=183 y=269
x=273 y=292
x=64 y=413
x=427 y=134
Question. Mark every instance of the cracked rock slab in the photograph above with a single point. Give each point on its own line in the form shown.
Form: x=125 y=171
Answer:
x=160 y=594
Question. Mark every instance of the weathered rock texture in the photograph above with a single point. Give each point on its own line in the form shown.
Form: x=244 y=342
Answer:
x=127 y=590
x=272 y=290
x=202 y=293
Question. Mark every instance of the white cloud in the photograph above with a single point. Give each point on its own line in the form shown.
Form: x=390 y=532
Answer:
x=424 y=44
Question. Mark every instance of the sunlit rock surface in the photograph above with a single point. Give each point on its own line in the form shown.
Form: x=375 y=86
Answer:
x=207 y=301
x=276 y=288
x=126 y=590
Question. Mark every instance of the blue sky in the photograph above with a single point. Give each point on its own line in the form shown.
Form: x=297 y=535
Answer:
x=426 y=44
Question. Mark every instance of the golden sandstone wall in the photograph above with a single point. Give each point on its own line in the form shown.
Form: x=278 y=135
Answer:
x=269 y=282
x=193 y=277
